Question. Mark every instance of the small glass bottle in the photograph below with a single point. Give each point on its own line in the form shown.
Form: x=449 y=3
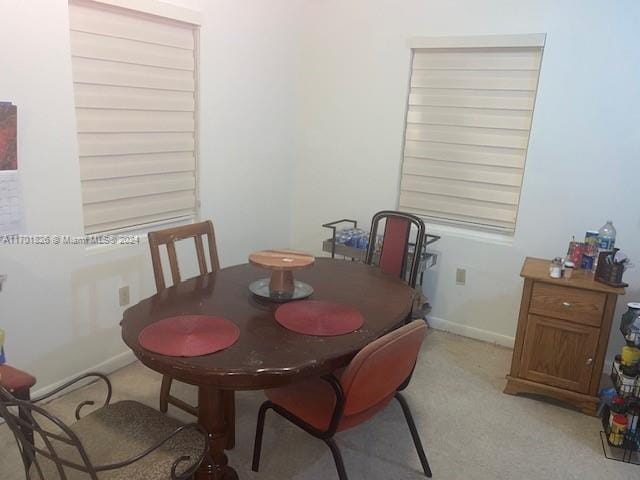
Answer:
x=555 y=268
x=617 y=363
x=627 y=380
x=617 y=407
x=568 y=269
x=618 y=429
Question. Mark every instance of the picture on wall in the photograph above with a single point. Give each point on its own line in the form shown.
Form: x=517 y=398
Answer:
x=8 y=136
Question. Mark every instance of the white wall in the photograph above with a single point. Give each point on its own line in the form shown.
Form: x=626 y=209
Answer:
x=582 y=167
x=59 y=306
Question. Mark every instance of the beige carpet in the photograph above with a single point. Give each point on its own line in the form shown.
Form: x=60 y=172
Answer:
x=470 y=429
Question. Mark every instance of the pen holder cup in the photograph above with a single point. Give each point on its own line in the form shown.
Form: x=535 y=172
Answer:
x=608 y=272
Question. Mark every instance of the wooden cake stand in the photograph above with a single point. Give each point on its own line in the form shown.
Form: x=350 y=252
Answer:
x=281 y=287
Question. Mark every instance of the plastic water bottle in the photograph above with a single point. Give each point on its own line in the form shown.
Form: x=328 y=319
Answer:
x=606 y=237
x=356 y=237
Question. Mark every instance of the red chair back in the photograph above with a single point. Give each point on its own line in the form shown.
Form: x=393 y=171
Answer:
x=394 y=247
x=395 y=244
x=380 y=368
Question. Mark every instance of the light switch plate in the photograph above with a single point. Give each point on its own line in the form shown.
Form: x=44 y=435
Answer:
x=461 y=276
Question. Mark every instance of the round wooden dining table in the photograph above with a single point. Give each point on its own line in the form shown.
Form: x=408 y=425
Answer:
x=266 y=354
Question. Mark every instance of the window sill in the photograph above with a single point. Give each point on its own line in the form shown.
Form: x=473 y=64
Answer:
x=131 y=234
x=494 y=238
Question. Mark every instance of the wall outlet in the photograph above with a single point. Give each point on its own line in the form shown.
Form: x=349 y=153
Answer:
x=123 y=295
x=461 y=276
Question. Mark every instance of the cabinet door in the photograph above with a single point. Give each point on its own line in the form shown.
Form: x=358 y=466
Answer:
x=559 y=353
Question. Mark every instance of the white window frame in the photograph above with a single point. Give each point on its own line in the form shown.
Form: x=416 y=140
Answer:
x=479 y=231
x=191 y=17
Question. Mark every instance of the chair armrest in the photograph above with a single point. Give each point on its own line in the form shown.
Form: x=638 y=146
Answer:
x=185 y=475
x=70 y=383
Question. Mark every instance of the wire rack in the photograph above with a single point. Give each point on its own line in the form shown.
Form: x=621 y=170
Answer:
x=622 y=447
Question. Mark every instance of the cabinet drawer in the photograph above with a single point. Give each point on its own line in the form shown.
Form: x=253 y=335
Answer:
x=573 y=304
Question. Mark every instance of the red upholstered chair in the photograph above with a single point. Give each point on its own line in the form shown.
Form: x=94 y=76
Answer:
x=19 y=384
x=334 y=403
x=396 y=240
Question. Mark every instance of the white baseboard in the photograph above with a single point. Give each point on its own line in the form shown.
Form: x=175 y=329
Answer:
x=471 y=332
x=108 y=366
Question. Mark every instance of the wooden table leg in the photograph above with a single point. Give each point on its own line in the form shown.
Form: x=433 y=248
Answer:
x=230 y=415
x=211 y=415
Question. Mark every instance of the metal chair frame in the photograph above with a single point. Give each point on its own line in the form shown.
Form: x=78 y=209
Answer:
x=419 y=244
x=327 y=435
x=25 y=425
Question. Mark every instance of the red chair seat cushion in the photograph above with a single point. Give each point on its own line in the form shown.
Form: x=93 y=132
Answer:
x=15 y=380
x=313 y=401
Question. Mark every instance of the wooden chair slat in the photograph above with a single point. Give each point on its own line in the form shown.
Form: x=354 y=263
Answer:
x=173 y=262
x=202 y=263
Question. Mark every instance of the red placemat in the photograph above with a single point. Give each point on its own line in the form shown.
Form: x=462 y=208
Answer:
x=318 y=317
x=189 y=335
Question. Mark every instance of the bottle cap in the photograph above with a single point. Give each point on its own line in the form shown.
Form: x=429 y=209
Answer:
x=634 y=305
x=569 y=264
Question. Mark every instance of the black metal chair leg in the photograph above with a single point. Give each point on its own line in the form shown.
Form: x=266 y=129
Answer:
x=337 y=457
x=25 y=395
x=414 y=434
x=257 y=445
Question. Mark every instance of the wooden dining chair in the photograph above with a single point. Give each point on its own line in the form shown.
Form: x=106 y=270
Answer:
x=169 y=237
x=125 y=440
x=325 y=406
x=392 y=253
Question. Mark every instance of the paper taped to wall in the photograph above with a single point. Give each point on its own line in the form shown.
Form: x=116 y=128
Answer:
x=11 y=208
x=8 y=136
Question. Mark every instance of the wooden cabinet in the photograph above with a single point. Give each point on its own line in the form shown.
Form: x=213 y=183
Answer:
x=562 y=336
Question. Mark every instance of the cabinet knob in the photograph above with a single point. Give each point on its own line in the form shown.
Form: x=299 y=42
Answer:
x=589 y=361
x=566 y=304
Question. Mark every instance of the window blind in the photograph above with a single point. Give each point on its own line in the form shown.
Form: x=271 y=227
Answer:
x=134 y=78
x=467 y=132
